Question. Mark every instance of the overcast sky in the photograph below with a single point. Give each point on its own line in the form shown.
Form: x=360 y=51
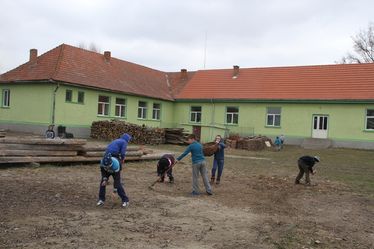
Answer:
x=169 y=34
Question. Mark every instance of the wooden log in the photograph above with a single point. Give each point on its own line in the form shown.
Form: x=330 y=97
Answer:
x=59 y=147
x=102 y=147
x=36 y=153
x=101 y=153
x=43 y=141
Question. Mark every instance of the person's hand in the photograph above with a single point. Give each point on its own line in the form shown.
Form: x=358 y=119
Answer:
x=105 y=181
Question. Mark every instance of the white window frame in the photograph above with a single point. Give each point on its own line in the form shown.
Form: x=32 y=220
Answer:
x=82 y=94
x=230 y=116
x=142 y=110
x=120 y=109
x=369 y=117
x=195 y=116
x=103 y=107
x=274 y=116
x=6 y=97
x=71 y=95
x=156 y=112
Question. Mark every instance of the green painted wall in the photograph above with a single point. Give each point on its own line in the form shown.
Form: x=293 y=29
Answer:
x=82 y=115
x=346 y=121
x=29 y=104
x=32 y=104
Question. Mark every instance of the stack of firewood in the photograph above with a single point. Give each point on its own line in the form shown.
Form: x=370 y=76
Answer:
x=109 y=130
x=175 y=136
x=252 y=143
x=2 y=133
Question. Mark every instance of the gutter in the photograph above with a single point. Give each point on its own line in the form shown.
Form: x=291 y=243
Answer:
x=54 y=101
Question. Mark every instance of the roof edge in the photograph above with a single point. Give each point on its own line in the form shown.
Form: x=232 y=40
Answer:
x=292 y=101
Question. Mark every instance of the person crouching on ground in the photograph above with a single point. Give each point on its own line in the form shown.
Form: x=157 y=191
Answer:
x=164 y=167
x=114 y=154
x=198 y=165
x=218 y=160
x=306 y=164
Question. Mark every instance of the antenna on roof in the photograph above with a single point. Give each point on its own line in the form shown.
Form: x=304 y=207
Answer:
x=206 y=38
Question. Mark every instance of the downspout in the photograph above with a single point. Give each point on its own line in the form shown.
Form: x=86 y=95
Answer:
x=54 y=101
x=212 y=121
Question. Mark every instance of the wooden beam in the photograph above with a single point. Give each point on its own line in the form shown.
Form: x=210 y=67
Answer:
x=14 y=140
x=40 y=147
x=37 y=153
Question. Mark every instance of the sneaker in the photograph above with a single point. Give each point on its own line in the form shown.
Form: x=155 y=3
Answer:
x=195 y=193
x=209 y=192
x=100 y=203
x=125 y=204
x=297 y=182
x=218 y=181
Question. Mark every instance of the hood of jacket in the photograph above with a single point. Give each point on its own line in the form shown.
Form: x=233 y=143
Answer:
x=126 y=137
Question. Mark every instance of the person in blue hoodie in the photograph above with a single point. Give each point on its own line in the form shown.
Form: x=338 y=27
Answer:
x=198 y=165
x=218 y=160
x=111 y=165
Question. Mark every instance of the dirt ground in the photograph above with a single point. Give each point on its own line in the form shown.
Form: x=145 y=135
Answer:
x=54 y=207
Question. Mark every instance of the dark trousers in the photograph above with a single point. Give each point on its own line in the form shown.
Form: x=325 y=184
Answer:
x=217 y=164
x=303 y=168
x=117 y=184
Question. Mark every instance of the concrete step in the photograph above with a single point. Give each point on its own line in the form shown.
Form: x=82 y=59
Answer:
x=316 y=143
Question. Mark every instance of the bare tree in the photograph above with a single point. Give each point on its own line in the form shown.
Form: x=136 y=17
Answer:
x=363 y=46
x=92 y=47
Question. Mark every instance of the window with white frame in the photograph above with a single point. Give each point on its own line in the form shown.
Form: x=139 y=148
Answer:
x=156 y=111
x=80 y=97
x=6 y=98
x=232 y=115
x=195 y=114
x=120 y=107
x=142 y=110
x=370 y=119
x=69 y=95
x=273 y=116
x=103 y=106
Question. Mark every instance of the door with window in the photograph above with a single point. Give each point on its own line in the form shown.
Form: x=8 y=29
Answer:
x=320 y=126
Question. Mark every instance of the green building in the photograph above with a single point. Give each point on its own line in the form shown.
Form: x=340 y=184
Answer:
x=73 y=87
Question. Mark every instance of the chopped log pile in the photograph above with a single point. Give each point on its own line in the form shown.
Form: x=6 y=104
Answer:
x=109 y=130
x=41 y=150
x=175 y=136
x=248 y=143
x=2 y=133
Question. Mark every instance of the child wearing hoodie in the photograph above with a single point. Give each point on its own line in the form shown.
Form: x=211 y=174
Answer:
x=111 y=165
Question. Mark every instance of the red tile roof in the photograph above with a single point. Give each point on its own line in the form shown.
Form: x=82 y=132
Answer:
x=82 y=67
x=327 y=82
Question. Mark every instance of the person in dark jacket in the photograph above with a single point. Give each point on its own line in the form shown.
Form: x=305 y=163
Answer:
x=111 y=165
x=306 y=164
x=164 y=167
x=218 y=160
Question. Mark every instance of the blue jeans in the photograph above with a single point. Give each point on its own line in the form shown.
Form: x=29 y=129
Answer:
x=117 y=184
x=217 y=164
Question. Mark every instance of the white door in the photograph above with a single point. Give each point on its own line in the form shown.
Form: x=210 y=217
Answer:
x=320 y=126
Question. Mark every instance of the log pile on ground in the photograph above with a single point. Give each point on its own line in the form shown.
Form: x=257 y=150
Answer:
x=175 y=136
x=109 y=130
x=248 y=143
x=2 y=133
x=41 y=150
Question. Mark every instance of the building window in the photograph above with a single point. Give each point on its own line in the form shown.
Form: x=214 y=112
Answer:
x=80 y=97
x=273 y=116
x=6 y=98
x=232 y=115
x=370 y=119
x=69 y=95
x=156 y=111
x=120 y=108
x=195 y=114
x=142 y=110
x=103 y=106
